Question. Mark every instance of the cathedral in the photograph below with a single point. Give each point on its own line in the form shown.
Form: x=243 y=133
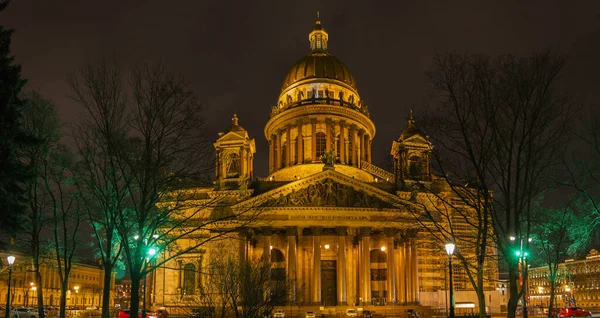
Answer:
x=328 y=218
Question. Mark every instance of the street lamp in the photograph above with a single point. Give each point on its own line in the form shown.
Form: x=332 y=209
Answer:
x=450 y=251
x=150 y=254
x=522 y=254
x=11 y=261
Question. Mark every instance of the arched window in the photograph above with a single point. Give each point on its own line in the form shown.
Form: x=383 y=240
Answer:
x=414 y=166
x=284 y=150
x=189 y=279
x=320 y=145
x=233 y=165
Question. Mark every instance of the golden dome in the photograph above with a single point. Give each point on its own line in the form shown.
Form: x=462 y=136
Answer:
x=318 y=65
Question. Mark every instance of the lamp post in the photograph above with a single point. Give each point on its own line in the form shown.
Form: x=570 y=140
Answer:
x=11 y=261
x=450 y=251
x=151 y=253
x=522 y=259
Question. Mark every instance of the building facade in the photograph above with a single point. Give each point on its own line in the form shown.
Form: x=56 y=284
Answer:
x=578 y=283
x=341 y=227
x=85 y=283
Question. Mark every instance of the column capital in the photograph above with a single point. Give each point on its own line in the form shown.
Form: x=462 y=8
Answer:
x=267 y=230
x=291 y=230
x=341 y=230
x=390 y=232
x=316 y=230
x=300 y=121
x=365 y=231
x=313 y=121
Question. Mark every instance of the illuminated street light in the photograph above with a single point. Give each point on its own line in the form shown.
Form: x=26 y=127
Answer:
x=450 y=251
x=11 y=261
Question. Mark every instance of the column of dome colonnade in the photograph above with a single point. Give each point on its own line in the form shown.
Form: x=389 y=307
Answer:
x=401 y=285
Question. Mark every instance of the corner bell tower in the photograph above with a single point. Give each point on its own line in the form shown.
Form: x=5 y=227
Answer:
x=412 y=155
x=234 y=156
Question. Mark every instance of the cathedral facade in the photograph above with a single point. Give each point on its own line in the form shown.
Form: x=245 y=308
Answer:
x=329 y=219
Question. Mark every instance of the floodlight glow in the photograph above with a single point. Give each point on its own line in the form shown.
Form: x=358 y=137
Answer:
x=450 y=248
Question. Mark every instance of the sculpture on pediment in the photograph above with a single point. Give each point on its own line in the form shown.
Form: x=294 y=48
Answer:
x=328 y=193
x=328 y=158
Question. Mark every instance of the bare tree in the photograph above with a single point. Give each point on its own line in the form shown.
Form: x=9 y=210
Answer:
x=501 y=125
x=143 y=151
x=67 y=215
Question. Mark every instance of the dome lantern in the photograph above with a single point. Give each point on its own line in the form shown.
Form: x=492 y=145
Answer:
x=318 y=37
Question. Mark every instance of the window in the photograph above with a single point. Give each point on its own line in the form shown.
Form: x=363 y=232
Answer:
x=233 y=165
x=189 y=278
x=320 y=145
x=284 y=150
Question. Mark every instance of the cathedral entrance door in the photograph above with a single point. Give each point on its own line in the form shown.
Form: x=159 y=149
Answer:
x=328 y=283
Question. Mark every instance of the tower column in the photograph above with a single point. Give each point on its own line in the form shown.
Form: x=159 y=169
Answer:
x=368 y=149
x=313 y=146
x=243 y=163
x=391 y=271
x=342 y=233
x=223 y=165
x=217 y=165
x=243 y=251
x=288 y=146
x=316 y=278
x=365 y=280
x=278 y=151
x=354 y=145
x=299 y=144
x=361 y=147
x=342 y=139
x=327 y=134
x=272 y=154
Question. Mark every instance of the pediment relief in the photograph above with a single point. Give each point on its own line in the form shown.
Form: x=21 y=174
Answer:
x=327 y=192
x=233 y=135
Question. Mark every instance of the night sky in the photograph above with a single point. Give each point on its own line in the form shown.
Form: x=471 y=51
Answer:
x=236 y=53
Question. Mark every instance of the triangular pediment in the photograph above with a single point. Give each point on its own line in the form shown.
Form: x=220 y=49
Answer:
x=233 y=136
x=327 y=189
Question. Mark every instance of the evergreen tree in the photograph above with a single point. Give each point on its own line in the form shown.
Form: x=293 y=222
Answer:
x=13 y=170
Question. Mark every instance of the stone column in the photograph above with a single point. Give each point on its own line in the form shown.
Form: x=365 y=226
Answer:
x=299 y=144
x=267 y=244
x=342 y=149
x=291 y=233
x=223 y=165
x=316 y=278
x=288 y=146
x=278 y=151
x=365 y=280
x=354 y=146
x=391 y=271
x=327 y=134
x=368 y=149
x=342 y=299
x=243 y=162
x=313 y=146
x=272 y=154
x=361 y=147
x=217 y=154
x=402 y=272
x=414 y=270
x=409 y=272
x=251 y=167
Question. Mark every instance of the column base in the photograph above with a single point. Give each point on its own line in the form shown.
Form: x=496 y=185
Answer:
x=316 y=303
x=342 y=303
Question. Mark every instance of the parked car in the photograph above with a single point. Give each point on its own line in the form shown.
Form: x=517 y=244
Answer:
x=279 y=313
x=23 y=312
x=309 y=314
x=350 y=312
x=574 y=312
x=366 y=314
x=92 y=308
x=124 y=313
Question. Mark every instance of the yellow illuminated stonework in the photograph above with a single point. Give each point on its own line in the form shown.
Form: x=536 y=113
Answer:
x=341 y=227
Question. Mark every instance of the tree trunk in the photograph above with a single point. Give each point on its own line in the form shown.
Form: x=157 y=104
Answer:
x=40 y=290
x=135 y=294
x=513 y=280
x=108 y=269
x=480 y=292
x=63 y=300
x=551 y=304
